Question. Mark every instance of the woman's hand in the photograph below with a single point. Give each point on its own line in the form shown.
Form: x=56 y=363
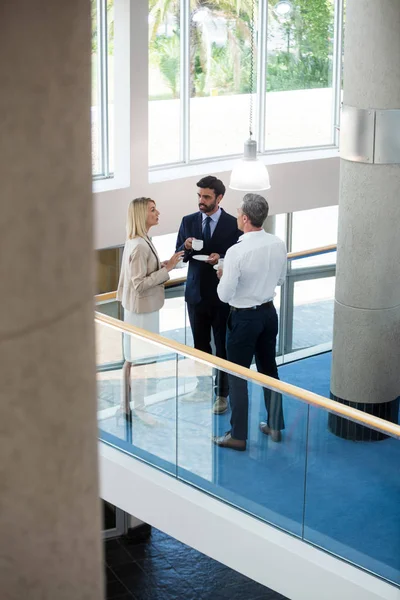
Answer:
x=173 y=261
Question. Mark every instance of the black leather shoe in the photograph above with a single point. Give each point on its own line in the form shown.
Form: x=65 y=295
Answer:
x=227 y=441
x=274 y=434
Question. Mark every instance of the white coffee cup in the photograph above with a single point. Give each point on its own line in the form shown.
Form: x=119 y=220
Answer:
x=197 y=244
x=220 y=264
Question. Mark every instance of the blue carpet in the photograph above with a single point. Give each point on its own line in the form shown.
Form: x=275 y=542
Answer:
x=342 y=496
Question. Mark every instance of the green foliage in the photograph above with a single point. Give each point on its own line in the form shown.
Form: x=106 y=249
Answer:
x=286 y=73
x=166 y=51
x=304 y=62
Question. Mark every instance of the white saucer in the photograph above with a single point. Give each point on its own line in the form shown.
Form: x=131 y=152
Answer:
x=215 y=267
x=201 y=257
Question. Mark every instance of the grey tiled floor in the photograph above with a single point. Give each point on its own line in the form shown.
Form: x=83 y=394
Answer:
x=164 y=569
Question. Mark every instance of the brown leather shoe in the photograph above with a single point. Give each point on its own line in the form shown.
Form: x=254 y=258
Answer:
x=227 y=441
x=220 y=405
x=274 y=434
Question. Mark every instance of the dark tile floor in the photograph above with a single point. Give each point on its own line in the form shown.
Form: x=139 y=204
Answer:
x=162 y=568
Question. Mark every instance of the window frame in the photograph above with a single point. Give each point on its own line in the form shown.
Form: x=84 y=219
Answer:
x=102 y=92
x=260 y=93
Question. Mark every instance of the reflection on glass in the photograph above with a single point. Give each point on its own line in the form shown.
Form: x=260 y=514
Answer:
x=137 y=399
x=313 y=312
x=337 y=494
x=352 y=497
x=299 y=99
x=164 y=82
x=313 y=229
x=268 y=478
x=172 y=315
x=219 y=78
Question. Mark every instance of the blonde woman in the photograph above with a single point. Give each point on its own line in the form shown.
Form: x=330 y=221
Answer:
x=141 y=288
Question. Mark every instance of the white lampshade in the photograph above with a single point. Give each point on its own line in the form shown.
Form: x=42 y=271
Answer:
x=250 y=174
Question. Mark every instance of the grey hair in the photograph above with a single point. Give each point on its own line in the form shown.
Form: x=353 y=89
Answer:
x=256 y=208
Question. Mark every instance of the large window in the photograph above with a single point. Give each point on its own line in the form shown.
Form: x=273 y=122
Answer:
x=102 y=111
x=299 y=91
x=200 y=76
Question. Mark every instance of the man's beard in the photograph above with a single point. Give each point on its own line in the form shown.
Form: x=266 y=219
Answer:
x=207 y=209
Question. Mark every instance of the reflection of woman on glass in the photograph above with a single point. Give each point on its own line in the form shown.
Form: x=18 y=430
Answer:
x=141 y=289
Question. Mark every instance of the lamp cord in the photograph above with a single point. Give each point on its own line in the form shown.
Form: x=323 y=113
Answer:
x=251 y=67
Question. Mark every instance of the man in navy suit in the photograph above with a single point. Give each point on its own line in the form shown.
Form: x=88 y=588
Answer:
x=219 y=231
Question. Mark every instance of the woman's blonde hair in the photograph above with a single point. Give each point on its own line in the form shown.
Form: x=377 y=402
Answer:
x=137 y=217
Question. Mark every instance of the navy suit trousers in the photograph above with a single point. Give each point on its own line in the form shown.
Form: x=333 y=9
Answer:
x=253 y=333
x=203 y=318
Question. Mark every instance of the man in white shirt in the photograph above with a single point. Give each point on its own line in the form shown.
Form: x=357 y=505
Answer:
x=252 y=270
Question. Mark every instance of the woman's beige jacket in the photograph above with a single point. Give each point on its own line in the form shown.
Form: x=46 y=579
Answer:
x=140 y=287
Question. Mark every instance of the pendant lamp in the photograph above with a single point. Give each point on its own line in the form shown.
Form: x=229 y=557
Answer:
x=250 y=174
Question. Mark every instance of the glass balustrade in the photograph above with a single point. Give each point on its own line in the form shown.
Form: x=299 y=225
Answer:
x=339 y=495
x=304 y=305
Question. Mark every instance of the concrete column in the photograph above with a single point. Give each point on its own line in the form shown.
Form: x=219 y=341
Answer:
x=270 y=224
x=366 y=342
x=50 y=526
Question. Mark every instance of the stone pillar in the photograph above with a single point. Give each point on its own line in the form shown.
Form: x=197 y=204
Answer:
x=366 y=341
x=270 y=224
x=50 y=526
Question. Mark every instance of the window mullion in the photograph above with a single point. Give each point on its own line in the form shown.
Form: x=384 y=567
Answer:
x=337 y=69
x=99 y=108
x=185 y=81
x=261 y=72
x=103 y=66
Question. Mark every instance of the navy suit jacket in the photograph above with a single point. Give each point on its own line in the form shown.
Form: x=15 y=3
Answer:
x=202 y=280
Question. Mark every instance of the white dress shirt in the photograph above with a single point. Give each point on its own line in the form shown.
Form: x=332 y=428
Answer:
x=252 y=270
x=214 y=220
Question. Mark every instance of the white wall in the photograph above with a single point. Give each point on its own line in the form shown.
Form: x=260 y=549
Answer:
x=298 y=181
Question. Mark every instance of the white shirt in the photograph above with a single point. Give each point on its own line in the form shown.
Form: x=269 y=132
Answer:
x=252 y=270
x=214 y=220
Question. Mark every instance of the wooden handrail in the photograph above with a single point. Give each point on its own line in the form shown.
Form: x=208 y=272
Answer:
x=274 y=384
x=108 y=296
x=313 y=252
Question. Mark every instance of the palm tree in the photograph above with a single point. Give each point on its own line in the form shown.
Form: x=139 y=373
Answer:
x=237 y=12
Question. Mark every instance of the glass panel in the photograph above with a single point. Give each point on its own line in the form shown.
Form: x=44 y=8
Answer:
x=96 y=103
x=266 y=480
x=110 y=82
x=107 y=269
x=220 y=78
x=339 y=495
x=312 y=229
x=173 y=324
x=300 y=98
x=164 y=82
x=136 y=400
x=313 y=312
x=352 y=498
